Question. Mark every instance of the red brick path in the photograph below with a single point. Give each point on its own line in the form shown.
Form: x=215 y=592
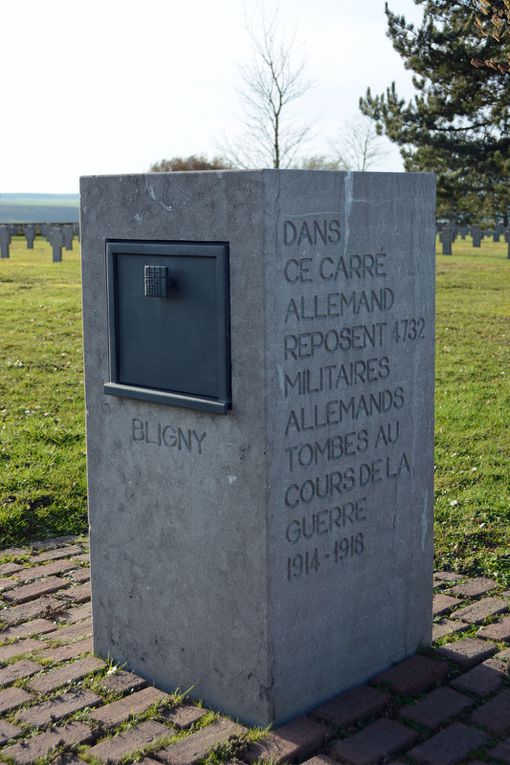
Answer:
x=60 y=704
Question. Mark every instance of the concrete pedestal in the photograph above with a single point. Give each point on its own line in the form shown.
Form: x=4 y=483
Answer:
x=281 y=553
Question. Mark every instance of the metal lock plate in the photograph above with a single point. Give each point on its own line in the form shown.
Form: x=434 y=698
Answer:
x=169 y=324
x=155 y=281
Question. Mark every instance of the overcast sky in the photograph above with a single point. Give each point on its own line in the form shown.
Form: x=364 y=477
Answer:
x=110 y=86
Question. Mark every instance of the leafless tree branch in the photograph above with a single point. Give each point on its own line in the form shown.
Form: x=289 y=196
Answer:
x=358 y=147
x=270 y=82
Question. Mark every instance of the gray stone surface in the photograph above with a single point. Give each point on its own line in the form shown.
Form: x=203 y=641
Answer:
x=56 y=239
x=447 y=236
x=5 y=240
x=29 y=231
x=476 y=233
x=290 y=556
x=67 y=232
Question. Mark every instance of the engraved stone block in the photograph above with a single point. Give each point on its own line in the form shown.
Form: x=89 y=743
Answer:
x=276 y=554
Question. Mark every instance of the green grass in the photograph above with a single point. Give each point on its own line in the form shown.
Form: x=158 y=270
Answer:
x=42 y=450
x=472 y=477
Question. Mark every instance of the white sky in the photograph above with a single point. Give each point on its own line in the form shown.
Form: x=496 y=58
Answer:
x=110 y=86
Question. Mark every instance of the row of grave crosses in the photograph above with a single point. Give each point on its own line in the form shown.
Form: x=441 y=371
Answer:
x=449 y=232
x=58 y=235
x=62 y=235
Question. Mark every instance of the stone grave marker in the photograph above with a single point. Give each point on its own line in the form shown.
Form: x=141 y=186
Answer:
x=446 y=240
x=68 y=237
x=56 y=239
x=5 y=240
x=476 y=233
x=29 y=235
x=259 y=384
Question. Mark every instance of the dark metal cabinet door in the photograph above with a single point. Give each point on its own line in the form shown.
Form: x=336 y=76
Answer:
x=169 y=323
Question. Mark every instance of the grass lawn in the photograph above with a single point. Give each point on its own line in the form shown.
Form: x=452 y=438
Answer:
x=42 y=449
x=472 y=476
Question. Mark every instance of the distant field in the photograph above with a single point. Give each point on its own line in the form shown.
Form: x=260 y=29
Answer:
x=39 y=208
x=42 y=450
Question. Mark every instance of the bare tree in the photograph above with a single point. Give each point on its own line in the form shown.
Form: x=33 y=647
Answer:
x=358 y=147
x=270 y=82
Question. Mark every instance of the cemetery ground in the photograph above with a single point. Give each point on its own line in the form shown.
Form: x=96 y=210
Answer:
x=60 y=704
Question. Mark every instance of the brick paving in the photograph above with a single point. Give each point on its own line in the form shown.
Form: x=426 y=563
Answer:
x=477 y=612
x=25 y=752
x=196 y=746
x=8 y=731
x=437 y=707
x=483 y=679
x=472 y=588
x=113 y=750
x=71 y=651
x=495 y=713
x=61 y=705
x=443 y=603
x=353 y=706
x=443 y=627
x=184 y=715
x=121 y=681
x=375 y=743
x=295 y=741
x=57 y=708
x=18 y=671
x=468 y=652
x=451 y=745
x=499 y=630
x=502 y=751
x=56 y=678
x=414 y=675
x=130 y=706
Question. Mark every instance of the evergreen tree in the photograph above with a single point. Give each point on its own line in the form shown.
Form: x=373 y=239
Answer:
x=457 y=124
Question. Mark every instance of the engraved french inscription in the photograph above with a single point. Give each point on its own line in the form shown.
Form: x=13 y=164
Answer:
x=343 y=333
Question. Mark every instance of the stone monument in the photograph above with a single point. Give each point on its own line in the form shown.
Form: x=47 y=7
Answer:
x=29 y=232
x=56 y=239
x=259 y=352
x=446 y=240
x=5 y=241
x=67 y=232
x=476 y=233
